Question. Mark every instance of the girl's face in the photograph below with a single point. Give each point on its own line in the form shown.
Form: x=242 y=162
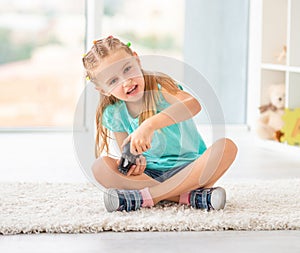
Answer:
x=120 y=75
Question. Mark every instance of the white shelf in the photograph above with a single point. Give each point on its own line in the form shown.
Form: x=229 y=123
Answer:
x=274 y=25
x=278 y=67
x=268 y=66
x=294 y=69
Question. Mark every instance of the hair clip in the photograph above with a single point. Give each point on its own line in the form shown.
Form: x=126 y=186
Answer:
x=95 y=42
x=128 y=44
x=84 y=55
x=110 y=37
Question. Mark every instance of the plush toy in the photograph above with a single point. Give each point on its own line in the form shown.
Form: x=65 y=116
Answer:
x=270 y=121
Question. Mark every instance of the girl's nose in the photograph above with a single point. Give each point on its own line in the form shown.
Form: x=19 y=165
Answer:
x=126 y=82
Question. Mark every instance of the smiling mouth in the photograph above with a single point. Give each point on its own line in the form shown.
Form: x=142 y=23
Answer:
x=132 y=90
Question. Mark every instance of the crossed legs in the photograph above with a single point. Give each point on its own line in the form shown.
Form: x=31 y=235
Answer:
x=202 y=173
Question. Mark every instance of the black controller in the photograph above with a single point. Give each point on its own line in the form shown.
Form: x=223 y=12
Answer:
x=127 y=159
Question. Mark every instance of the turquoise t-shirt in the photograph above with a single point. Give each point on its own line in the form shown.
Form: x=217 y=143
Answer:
x=171 y=146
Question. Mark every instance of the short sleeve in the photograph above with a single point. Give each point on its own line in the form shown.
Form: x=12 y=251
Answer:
x=178 y=85
x=112 y=120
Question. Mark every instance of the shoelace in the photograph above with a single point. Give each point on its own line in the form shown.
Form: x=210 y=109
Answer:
x=200 y=198
x=130 y=200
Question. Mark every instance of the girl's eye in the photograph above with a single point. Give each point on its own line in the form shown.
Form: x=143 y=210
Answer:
x=127 y=69
x=113 y=81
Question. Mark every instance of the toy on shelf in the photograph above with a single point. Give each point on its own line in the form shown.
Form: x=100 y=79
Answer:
x=282 y=56
x=270 y=121
x=291 y=128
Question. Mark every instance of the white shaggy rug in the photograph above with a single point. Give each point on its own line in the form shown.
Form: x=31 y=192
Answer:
x=78 y=208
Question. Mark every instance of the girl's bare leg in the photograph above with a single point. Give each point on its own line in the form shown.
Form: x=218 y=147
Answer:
x=203 y=172
x=106 y=172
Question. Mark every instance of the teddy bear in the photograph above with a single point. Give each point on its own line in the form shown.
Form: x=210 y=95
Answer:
x=270 y=121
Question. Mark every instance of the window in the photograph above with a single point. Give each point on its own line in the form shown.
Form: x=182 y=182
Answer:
x=41 y=44
x=41 y=75
x=153 y=27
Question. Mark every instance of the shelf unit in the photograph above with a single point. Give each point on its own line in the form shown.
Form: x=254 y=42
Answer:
x=273 y=26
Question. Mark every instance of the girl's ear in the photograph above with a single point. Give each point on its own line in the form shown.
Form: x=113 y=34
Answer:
x=137 y=58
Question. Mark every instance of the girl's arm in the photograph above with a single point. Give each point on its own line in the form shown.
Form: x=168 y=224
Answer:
x=120 y=137
x=183 y=106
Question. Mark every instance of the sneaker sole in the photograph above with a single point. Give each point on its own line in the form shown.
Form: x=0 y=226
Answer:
x=111 y=200
x=218 y=198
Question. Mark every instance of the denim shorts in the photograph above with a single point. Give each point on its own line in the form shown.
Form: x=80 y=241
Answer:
x=161 y=176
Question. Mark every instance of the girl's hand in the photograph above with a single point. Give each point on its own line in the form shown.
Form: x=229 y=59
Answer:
x=139 y=168
x=140 y=139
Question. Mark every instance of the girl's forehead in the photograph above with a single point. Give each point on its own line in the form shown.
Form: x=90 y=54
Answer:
x=114 y=60
x=114 y=64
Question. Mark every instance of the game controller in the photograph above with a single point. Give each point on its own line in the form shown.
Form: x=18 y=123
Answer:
x=127 y=159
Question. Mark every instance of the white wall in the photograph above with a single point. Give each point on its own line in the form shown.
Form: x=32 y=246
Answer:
x=216 y=44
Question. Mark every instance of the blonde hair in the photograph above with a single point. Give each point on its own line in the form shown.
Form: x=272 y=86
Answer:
x=103 y=48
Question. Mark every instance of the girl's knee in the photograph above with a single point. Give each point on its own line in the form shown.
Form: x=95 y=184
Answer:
x=100 y=169
x=231 y=145
x=228 y=146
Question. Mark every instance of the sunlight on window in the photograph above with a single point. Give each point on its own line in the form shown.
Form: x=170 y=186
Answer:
x=41 y=44
x=153 y=27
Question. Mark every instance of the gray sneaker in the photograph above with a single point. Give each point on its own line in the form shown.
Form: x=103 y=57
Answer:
x=122 y=200
x=208 y=198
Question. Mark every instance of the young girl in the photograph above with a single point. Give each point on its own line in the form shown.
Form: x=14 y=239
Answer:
x=154 y=114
